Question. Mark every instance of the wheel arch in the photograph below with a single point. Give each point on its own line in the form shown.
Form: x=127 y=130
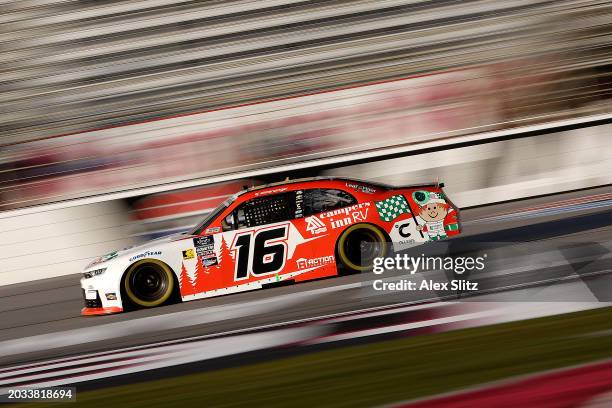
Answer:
x=381 y=229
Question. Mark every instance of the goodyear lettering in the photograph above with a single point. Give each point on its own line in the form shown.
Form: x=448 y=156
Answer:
x=145 y=255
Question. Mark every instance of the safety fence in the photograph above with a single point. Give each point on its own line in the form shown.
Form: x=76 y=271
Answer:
x=276 y=82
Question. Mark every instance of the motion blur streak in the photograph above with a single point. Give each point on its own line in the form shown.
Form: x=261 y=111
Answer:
x=585 y=386
x=163 y=322
x=121 y=362
x=97 y=366
x=70 y=67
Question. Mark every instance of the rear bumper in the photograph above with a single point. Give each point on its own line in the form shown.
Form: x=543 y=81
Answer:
x=97 y=311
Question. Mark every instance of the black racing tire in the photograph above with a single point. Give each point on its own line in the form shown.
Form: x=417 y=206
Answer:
x=148 y=283
x=354 y=241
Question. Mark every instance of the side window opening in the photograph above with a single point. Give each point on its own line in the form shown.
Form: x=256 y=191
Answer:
x=320 y=200
x=265 y=210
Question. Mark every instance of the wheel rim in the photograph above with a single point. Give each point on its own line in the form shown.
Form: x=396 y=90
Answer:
x=360 y=245
x=149 y=284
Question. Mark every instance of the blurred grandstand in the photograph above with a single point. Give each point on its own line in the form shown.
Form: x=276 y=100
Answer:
x=71 y=68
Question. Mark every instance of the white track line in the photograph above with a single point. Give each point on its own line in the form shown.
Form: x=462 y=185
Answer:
x=160 y=322
x=204 y=350
x=402 y=327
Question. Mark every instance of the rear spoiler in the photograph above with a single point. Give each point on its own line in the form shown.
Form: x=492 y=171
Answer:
x=435 y=184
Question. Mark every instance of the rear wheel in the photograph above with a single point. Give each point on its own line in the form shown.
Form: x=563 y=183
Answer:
x=148 y=283
x=359 y=245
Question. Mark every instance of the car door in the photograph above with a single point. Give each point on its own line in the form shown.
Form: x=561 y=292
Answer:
x=320 y=200
x=323 y=231
x=260 y=235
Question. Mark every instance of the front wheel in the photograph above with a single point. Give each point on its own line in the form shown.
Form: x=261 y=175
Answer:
x=148 y=283
x=359 y=245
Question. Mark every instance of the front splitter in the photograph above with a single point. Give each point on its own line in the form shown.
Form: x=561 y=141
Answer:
x=97 y=311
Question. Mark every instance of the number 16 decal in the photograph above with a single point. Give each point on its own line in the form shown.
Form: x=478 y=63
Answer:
x=261 y=252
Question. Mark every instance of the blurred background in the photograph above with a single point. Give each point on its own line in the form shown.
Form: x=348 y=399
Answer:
x=75 y=73
x=101 y=97
x=107 y=97
x=122 y=121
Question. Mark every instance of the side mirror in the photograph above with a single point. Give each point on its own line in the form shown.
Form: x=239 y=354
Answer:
x=228 y=223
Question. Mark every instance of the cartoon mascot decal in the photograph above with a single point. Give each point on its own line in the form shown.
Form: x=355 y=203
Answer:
x=433 y=211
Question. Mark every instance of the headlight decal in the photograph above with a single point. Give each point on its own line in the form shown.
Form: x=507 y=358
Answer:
x=95 y=272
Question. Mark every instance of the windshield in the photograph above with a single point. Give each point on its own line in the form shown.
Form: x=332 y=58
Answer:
x=212 y=215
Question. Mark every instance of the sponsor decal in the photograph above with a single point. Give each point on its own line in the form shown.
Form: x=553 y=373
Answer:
x=189 y=254
x=205 y=246
x=314 y=225
x=267 y=192
x=213 y=230
x=110 y=256
x=304 y=263
x=343 y=217
x=212 y=261
x=401 y=229
x=299 y=204
x=145 y=255
x=405 y=234
x=392 y=207
x=94 y=272
x=205 y=250
x=91 y=294
x=423 y=197
x=111 y=296
x=362 y=188
x=345 y=210
x=103 y=258
x=433 y=209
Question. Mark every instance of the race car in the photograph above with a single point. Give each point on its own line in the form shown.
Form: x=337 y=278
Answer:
x=268 y=235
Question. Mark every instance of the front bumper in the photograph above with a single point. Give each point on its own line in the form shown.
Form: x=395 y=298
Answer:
x=97 y=311
x=101 y=295
x=94 y=307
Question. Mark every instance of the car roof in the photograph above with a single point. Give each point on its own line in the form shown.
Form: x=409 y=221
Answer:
x=313 y=179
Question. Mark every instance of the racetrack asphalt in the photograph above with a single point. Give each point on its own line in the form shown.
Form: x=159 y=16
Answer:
x=33 y=313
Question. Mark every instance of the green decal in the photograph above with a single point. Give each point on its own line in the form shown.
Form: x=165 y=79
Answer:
x=392 y=207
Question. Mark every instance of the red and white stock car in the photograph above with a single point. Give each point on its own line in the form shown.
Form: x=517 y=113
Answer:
x=285 y=232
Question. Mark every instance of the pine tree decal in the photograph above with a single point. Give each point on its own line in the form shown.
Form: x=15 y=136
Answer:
x=225 y=276
x=200 y=278
x=185 y=283
x=225 y=258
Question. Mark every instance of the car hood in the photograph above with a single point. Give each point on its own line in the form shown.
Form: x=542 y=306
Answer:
x=137 y=249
